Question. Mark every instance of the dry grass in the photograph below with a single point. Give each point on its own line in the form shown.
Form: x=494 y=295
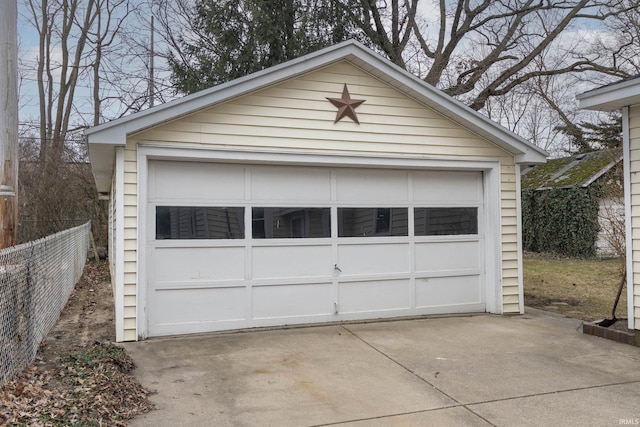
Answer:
x=583 y=289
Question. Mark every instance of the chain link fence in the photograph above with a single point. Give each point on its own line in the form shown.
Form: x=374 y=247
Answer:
x=36 y=280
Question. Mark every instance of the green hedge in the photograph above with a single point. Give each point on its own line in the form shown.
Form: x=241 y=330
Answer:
x=561 y=220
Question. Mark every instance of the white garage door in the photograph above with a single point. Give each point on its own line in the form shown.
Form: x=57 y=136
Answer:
x=235 y=246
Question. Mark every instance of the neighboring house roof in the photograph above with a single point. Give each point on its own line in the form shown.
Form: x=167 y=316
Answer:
x=104 y=138
x=613 y=96
x=580 y=170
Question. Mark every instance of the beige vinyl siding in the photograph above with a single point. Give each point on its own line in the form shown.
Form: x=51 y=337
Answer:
x=511 y=302
x=130 y=242
x=634 y=144
x=509 y=236
x=295 y=115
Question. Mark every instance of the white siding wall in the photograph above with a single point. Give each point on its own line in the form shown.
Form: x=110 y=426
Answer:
x=295 y=115
x=610 y=214
x=634 y=139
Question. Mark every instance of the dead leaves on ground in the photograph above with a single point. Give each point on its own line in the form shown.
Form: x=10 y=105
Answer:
x=93 y=387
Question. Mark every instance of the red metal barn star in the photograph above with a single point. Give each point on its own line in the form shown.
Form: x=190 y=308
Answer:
x=346 y=105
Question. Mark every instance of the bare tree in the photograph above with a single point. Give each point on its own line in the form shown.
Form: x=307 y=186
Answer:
x=75 y=40
x=57 y=21
x=484 y=49
x=80 y=70
x=173 y=22
x=519 y=61
x=624 y=38
x=102 y=37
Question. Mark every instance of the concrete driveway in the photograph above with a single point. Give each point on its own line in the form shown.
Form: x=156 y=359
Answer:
x=536 y=369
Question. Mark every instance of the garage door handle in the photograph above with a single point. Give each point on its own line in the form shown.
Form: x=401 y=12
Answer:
x=335 y=267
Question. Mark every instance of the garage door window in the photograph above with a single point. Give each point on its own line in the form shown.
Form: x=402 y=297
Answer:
x=372 y=222
x=182 y=222
x=285 y=223
x=445 y=221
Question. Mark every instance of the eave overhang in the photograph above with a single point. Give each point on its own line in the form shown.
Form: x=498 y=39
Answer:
x=612 y=97
x=104 y=139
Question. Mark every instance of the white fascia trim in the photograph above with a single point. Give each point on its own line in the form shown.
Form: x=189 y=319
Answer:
x=118 y=251
x=611 y=97
x=626 y=146
x=310 y=158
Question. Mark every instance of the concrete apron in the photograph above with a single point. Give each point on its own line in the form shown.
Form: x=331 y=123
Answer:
x=536 y=369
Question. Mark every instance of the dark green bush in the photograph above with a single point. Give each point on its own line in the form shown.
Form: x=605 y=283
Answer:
x=563 y=221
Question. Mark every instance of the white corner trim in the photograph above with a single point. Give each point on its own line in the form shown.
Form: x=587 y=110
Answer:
x=519 y=242
x=493 y=240
x=118 y=251
x=626 y=144
x=141 y=265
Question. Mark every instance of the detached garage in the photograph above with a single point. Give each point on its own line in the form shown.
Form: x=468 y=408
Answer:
x=333 y=187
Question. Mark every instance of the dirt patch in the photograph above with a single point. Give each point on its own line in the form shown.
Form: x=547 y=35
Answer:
x=87 y=318
x=79 y=376
x=541 y=301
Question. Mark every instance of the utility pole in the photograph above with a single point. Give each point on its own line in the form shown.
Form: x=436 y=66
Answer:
x=151 y=72
x=8 y=123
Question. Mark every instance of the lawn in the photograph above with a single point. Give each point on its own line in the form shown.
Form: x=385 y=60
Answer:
x=583 y=289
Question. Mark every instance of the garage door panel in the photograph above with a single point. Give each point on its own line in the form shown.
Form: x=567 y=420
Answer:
x=373 y=258
x=201 y=181
x=179 y=264
x=291 y=261
x=371 y=185
x=282 y=301
x=447 y=256
x=172 y=306
x=269 y=184
x=456 y=187
x=310 y=244
x=371 y=296
x=443 y=291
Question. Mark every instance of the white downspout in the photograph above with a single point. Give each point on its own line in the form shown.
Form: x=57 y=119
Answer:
x=626 y=141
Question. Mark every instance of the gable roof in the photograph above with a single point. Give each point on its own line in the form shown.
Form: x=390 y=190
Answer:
x=580 y=170
x=104 y=138
x=613 y=96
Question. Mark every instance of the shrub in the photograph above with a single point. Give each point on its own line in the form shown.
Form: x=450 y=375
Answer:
x=563 y=221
